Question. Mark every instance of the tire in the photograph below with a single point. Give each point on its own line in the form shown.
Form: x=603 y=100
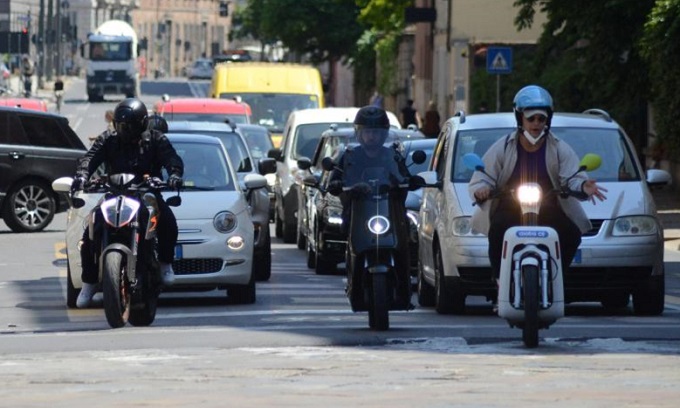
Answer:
x=71 y=292
x=242 y=294
x=145 y=315
x=311 y=257
x=444 y=300
x=116 y=294
x=321 y=265
x=289 y=232
x=426 y=294
x=278 y=226
x=262 y=261
x=615 y=301
x=301 y=239
x=530 y=293
x=649 y=300
x=378 y=312
x=29 y=206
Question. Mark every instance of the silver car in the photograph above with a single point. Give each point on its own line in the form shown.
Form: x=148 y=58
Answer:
x=621 y=256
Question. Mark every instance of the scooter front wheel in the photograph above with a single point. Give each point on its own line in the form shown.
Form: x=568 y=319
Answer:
x=530 y=295
x=115 y=290
x=378 y=312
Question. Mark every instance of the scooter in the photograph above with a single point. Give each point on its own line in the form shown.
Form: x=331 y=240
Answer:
x=123 y=232
x=531 y=284
x=378 y=279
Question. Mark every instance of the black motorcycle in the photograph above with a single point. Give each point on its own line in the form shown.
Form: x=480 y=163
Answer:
x=378 y=237
x=123 y=232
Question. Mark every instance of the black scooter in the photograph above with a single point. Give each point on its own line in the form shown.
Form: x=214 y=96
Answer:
x=377 y=264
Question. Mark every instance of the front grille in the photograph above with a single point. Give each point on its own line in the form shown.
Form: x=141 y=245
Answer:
x=597 y=224
x=110 y=76
x=197 y=266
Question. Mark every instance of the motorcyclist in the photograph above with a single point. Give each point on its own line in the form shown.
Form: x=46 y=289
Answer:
x=372 y=128
x=131 y=148
x=531 y=154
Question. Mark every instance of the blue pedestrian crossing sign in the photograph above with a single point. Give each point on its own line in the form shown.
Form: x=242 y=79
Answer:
x=499 y=60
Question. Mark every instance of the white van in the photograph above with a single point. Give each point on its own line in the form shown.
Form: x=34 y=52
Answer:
x=300 y=137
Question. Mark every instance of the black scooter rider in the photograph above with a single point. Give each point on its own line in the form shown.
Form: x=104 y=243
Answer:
x=372 y=128
x=131 y=148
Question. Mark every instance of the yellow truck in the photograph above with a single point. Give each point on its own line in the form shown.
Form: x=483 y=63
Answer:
x=273 y=90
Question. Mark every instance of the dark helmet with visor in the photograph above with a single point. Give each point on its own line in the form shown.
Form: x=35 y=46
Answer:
x=130 y=119
x=372 y=126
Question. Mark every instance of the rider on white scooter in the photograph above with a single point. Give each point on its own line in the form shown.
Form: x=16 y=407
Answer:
x=531 y=154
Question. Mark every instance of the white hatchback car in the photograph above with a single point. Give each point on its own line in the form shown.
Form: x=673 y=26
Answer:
x=300 y=136
x=215 y=243
x=621 y=256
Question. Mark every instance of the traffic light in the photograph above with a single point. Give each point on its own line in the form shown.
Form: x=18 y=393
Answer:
x=224 y=8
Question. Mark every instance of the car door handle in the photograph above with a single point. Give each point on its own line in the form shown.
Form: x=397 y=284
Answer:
x=16 y=155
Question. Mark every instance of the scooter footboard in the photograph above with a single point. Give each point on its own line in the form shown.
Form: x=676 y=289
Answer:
x=531 y=247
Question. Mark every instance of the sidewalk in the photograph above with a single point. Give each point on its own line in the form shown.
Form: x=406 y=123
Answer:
x=15 y=85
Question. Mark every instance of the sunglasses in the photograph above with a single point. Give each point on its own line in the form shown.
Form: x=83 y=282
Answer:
x=539 y=118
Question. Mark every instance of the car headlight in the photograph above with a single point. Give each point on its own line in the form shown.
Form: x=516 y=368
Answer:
x=462 y=227
x=332 y=216
x=225 y=222
x=378 y=225
x=634 y=226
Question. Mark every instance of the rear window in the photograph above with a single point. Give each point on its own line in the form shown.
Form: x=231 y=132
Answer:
x=618 y=163
x=259 y=142
x=204 y=166
x=206 y=117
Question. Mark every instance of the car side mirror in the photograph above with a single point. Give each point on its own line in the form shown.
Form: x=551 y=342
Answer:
x=310 y=181
x=174 y=201
x=419 y=157
x=275 y=154
x=327 y=164
x=266 y=165
x=304 y=163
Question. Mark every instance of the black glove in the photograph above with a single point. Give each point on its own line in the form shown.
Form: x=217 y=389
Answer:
x=335 y=187
x=175 y=182
x=361 y=189
x=78 y=184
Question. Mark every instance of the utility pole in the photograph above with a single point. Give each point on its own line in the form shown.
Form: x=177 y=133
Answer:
x=41 y=44
x=58 y=41
x=50 y=36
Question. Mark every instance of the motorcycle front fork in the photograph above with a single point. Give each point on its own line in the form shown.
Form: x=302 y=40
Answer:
x=543 y=284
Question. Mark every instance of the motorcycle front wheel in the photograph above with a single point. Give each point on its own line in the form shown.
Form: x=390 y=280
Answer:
x=115 y=290
x=378 y=312
x=530 y=288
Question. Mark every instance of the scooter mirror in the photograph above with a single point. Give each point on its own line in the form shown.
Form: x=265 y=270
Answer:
x=174 y=201
x=418 y=157
x=590 y=162
x=473 y=162
x=327 y=164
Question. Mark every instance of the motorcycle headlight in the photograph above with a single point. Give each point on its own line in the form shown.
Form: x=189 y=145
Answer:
x=225 y=222
x=635 y=226
x=529 y=194
x=378 y=225
x=332 y=216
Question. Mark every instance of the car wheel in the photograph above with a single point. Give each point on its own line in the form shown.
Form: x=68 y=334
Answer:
x=449 y=299
x=278 y=226
x=616 y=300
x=29 y=207
x=242 y=294
x=289 y=232
x=262 y=261
x=311 y=256
x=301 y=238
x=322 y=265
x=649 y=300
x=426 y=295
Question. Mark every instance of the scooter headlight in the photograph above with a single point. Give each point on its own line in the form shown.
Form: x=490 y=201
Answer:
x=378 y=225
x=529 y=197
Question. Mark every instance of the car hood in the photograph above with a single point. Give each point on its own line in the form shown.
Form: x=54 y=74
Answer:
x=206 y=204
x=623 y=198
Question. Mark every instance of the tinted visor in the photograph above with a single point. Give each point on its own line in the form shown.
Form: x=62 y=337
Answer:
x=372 y=137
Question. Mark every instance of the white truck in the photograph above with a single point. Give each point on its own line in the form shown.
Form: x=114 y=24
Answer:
x=111 y=54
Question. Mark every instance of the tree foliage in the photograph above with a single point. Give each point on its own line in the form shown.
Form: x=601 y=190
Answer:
x=661 y=49
x=589 y=56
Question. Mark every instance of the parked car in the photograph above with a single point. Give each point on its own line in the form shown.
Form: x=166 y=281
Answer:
x=322 y=212
x=202 y=68
x=235 y=143
x=203 y=109
x=300 y=137
x=621 y=256
x=35 y=149
x=215 y=244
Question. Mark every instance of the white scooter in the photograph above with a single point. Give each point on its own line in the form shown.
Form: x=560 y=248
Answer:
x=531 y=289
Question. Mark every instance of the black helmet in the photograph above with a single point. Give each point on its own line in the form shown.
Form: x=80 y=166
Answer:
x=373 y=120
x=130 y=119
x=157 y=122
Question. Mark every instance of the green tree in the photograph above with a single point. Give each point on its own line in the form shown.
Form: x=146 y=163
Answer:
x=589 y=56
x=661 y=48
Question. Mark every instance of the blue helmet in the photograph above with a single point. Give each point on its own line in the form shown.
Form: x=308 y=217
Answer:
x=532 y=97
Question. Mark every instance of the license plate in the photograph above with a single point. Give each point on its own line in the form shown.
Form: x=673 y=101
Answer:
x=178 y=252
x=577 y=257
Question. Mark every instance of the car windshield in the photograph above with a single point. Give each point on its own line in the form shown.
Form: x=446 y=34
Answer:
x=258 y=140
x=617 y=159
x=271 y=110
x=205 y=167
x=307 y=137
x=110 y=51
x=206 y=117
